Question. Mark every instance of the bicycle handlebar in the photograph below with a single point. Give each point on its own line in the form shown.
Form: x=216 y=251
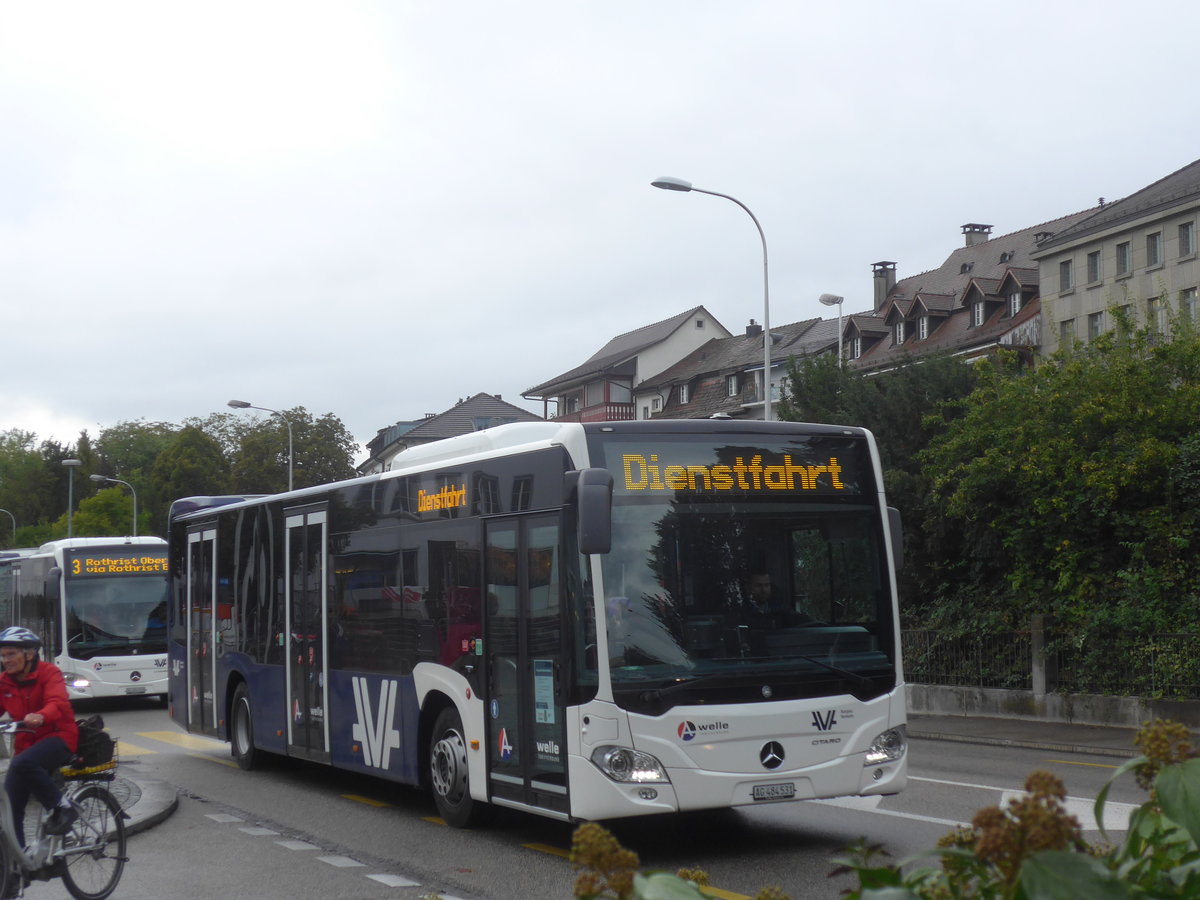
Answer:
x=16 y=728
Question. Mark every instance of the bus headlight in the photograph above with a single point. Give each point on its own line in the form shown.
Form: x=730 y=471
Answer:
x=78 y=682
x=629 y=766
x=887 y=747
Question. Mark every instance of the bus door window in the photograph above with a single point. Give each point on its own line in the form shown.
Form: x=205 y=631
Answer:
x=305 y=607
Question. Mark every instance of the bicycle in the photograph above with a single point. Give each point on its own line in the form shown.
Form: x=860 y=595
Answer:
x=89 y=858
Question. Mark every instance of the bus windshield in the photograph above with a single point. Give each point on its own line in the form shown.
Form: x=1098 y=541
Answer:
x=765 y=578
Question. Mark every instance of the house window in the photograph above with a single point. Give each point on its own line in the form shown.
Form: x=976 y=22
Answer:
x=1156 y=319
x=594 y=393
x=855 y=347
x=1187 y=238
x=699 y=323
x=1095 y=325
x=685 y=393
x=1066 y=274
x=978 y=313
x=1066 y=332
x=655 y=404
x=1154 y=248
x=1093 y=267
x=923 y=327
x=965 y=268
x=1014 y=302
x=1188 y=304
x=1124 y=258
x=731 y=386
x=899 y=332
x=645 y=412
x=1006 y=256
x=571 y=403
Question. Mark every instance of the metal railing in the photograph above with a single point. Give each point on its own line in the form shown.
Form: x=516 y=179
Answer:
x=1149 y=665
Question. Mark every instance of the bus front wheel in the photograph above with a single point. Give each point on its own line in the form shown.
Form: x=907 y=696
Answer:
x=448 y=772
x=241 y=731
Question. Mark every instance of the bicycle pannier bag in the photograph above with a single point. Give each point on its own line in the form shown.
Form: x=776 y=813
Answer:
x=96 y=746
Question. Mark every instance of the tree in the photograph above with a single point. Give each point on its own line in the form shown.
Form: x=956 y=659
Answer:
x=323 y=451
x=108 y=513
x=192 y=464
x=128 y=450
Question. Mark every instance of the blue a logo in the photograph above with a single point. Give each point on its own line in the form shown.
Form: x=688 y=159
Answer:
x=686 y=731
x=824 y=721
x=373 y=729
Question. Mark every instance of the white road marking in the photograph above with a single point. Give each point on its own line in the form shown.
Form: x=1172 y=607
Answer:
x=396 y=881
x=342 y=862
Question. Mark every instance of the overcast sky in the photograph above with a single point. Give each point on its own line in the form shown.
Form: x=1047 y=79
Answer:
x=375 y=209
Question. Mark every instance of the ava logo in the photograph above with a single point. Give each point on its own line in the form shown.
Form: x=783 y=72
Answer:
x=373 y=729
x=502 y=744
x=687 y=731
x=823 y=721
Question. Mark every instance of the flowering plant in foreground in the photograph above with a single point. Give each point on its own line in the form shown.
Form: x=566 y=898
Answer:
x=1033 y=850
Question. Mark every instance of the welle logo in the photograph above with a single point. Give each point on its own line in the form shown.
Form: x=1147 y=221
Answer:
x=373 y=728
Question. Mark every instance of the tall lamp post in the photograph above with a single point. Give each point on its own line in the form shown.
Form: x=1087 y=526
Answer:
x=101 y=479
x=71 y=464
x=667 y=183
x=14 y=521
x=242 y=404
x=835 y=300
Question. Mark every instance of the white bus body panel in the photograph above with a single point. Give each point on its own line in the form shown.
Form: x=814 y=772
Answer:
x=115 y=676
x=712 y=753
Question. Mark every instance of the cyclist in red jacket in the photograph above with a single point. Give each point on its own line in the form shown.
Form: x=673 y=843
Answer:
x=33 y=691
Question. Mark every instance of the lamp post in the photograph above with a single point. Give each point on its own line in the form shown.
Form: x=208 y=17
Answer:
x=835 y=300
x=14 y=521
x=667 y=183
x=101 y=479
x=242 y=404
x=71 y=464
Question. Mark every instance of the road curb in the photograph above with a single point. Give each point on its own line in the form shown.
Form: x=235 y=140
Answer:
x=1017 y=742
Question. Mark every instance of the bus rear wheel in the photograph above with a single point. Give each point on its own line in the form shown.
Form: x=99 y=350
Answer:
x=241 y=730
x=448 y=772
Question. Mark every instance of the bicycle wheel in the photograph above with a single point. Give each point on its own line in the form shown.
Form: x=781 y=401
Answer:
x=94 y=850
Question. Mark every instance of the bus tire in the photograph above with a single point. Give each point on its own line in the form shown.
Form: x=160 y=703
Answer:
x=241 y=730
x=448 y=772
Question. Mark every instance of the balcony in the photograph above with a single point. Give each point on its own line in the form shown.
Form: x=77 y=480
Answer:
x=602 y=412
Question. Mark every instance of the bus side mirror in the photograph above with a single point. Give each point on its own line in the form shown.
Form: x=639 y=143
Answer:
x=591 y=490
x=897 y=530
x=53 y=590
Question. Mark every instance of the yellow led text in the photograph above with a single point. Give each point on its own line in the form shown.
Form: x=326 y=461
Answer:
x=642 y=474
x=447 y=498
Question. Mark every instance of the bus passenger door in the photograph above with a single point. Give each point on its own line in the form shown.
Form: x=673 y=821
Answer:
x=201 y=634
x=304 y=608
x=523 y=642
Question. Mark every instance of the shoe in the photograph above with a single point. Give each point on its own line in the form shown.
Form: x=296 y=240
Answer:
x=61 y=820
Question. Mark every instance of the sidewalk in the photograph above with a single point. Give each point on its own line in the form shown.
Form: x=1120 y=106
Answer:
x=146 y=801
x=1037 y=735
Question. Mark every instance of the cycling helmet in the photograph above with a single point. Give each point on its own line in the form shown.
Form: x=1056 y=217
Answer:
x=16 y=636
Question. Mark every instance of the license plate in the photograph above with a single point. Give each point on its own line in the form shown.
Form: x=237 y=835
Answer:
x=135 y=690
x=784 y=790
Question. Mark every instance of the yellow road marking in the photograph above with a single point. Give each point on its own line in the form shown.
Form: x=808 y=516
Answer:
x=722 y=894
x=213 y=759
x=1067 y=762
x=547 y=848
x=367 y=800
x=124 y=748
x=433 y=820
x=186 y=741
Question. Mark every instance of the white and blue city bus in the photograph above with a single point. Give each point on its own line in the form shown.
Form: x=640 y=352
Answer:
x=99 y=604
x=436 y=624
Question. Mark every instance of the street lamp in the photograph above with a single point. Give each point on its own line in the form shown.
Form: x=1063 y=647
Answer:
x=242 y=404
x=667 y=183
x=835 y=300
x=71 y=464
x=101 y=479
x=14 y=521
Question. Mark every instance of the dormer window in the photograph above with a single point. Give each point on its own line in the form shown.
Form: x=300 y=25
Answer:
x=923 y=327
x=731 y=386
x=899 y=332
x=1006 y=256
x=856 y=347
x=965 y=268
x=685 y=394
x=1014 y=302
x=978 y=313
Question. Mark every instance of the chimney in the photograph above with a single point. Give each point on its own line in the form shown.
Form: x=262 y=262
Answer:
x=753 y=330
x=885 y=280
x=976 y=233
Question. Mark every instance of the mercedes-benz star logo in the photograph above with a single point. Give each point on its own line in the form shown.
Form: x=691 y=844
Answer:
x=771 y=755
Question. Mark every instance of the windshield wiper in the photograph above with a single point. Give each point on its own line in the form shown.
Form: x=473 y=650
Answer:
x=862 y=682
x=679 y=686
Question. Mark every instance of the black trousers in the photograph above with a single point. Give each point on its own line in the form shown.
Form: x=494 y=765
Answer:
x=30 y=773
